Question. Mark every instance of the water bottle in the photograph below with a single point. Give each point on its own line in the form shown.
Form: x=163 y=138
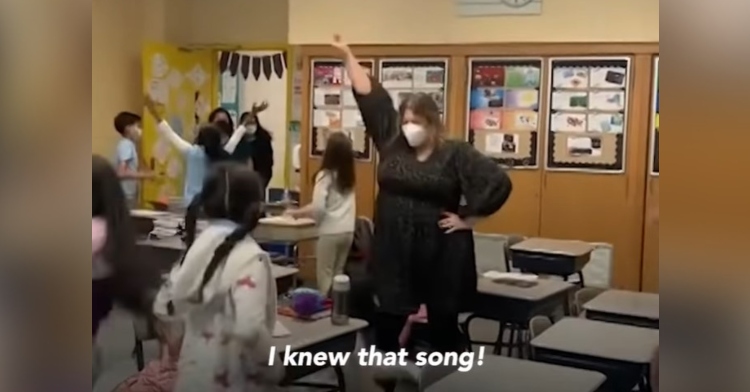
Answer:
x=340 y=296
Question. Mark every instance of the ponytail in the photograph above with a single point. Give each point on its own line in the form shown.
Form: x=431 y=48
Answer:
x=250 y=222
x=191 y=223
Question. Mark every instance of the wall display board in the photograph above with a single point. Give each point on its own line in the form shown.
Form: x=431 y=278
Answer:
x=655 y=123
x=503 y=107
x=334 y=108
x=403 y=77
x=586 y=128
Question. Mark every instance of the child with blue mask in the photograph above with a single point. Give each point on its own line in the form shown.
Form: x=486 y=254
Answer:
x=211 y=145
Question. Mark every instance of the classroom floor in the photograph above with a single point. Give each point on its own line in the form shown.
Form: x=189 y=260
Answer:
x=116 y=341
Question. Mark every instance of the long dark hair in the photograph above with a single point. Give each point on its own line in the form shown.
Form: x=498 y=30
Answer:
x=210 y=138
x=231 y=191
x=215 y=113
x=134 y=279
x=260 y=132
x=338 y=161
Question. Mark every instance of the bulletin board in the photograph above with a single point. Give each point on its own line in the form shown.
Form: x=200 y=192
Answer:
x=403 y=77
x=333 y=108
x=180 y=81
x=503 y=98
x=654 y=161
x=586 y=128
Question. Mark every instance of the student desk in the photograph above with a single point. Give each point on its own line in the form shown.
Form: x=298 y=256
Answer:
x=317 y=336
x=516 y=375
x=544 y=256
x=515 y=306
x=621 y=352
x=167 y=251
x=625 y=307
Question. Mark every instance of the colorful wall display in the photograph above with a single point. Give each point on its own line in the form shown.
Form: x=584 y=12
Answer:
x=248 y=77
x=655 y=123
x=334 y=108
x=403 y=77
x=588 y=103
x=503 y=107
x=180 y=81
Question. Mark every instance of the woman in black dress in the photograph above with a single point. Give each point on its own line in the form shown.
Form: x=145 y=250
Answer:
x=423 y=247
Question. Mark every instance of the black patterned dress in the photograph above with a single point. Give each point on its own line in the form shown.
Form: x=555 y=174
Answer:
x=415 y=262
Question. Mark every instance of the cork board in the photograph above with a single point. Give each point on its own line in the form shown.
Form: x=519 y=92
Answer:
x=587 y=112
x=502 y=146
x=333 y=108
x=360 y=143
x=503 y=109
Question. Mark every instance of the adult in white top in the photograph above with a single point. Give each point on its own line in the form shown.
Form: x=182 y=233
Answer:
x=334 y=208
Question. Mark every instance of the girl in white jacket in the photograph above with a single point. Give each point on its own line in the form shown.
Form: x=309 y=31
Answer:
x=224 y=290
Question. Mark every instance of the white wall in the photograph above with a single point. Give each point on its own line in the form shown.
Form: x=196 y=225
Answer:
x=435 y=22
x=274 y=119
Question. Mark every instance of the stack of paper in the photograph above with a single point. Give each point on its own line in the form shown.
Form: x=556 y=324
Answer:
x=495 y=275
x=166 y=227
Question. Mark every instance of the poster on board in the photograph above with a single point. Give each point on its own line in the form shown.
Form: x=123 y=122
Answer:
x=655 y=122
x=403 y=77
x=333 y=108
x=587 y=113
x=503 y=109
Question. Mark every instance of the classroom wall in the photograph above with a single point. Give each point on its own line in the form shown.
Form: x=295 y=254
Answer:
x=250 y=91
x=119 y=30
x=434 y=22
x=121 y=27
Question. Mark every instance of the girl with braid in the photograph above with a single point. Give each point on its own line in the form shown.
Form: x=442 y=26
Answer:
x=223 y=289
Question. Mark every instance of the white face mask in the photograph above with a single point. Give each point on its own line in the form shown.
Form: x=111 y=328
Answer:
x=415 y=134
x=251 y=129
x=137 y=132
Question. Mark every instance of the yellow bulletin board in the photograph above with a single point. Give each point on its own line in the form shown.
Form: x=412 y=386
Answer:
x=180 y=80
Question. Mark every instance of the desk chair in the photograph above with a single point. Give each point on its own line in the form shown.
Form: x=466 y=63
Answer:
x=583 y=296
x=537 y=326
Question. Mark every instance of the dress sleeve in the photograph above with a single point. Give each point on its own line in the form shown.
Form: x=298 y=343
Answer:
x=379 y=115
x=484 y=184
x=235 y=139
x=320 y=192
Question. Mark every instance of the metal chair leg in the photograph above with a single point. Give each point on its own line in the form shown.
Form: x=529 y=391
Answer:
x=498 y=350
x=140 y=361
x=340 y=379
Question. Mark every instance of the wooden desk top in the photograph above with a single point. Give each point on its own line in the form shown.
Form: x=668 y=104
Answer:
x=543 y=289
x=598 y=339
x=626 y=303
x=556 y=247
x=515 y=375
x=308 y=333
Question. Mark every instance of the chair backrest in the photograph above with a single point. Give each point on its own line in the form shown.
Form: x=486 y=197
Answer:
x=585 y=295
x=538 y=325
x=509 y=242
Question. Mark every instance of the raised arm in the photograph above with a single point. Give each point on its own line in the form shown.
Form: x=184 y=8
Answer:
x=374 y=102
x=484 y=184
x=164 y=129
x=235 y=139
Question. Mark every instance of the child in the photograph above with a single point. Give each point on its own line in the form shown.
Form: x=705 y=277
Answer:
x=210 y=146
x=117 y=273
x=334 y=208
x=128 y=125
x=256 y=148
x=224 y=289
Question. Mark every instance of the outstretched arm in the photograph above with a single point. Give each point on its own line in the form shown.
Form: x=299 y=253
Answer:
x=484 y=184
x=374 y=102
x=235 y=139
x=164 y=129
